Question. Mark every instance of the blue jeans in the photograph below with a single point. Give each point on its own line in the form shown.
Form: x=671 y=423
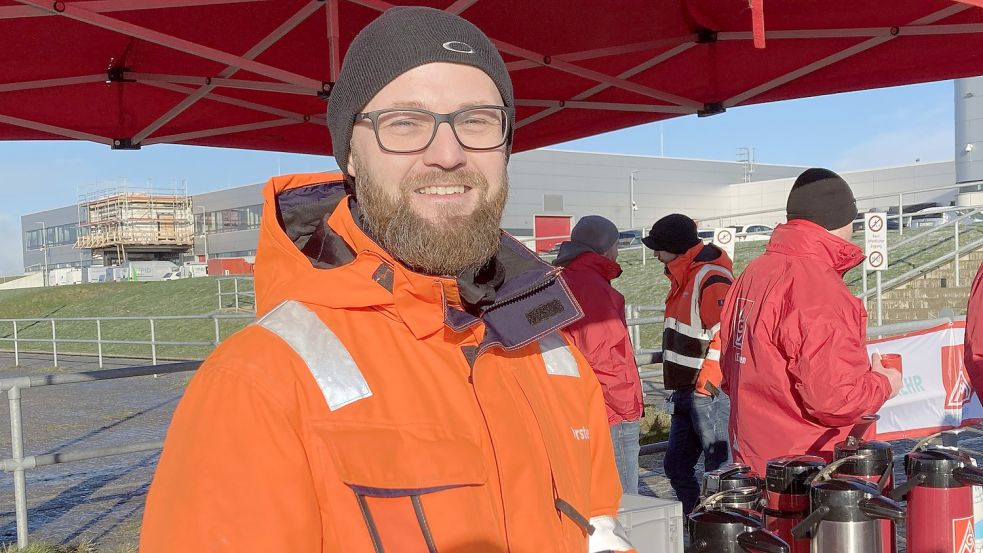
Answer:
x=624 y=438
x=699 y=427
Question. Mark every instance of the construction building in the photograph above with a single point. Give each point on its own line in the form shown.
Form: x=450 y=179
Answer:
x=124 y=224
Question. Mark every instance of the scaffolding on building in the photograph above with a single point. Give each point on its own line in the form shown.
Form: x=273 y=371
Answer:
x=121 y=219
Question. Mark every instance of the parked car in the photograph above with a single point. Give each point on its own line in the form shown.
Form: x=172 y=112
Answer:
x=705 y=235
x=752 y=233
x=935 y=216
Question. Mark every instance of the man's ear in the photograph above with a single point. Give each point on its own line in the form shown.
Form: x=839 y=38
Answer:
x=351 y=161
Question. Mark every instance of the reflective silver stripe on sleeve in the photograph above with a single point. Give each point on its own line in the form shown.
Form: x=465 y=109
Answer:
x=691 y=362
x=608 y=535
x=330 y=364
x=557 y=356
x=713 y=355
x=694 y=316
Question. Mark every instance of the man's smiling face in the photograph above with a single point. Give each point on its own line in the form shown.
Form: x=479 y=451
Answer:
x=437 y=210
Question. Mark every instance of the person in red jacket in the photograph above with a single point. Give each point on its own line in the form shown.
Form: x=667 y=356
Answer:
x=973 y=341
x=794 y=356
x=590 y=264
x=699 y=276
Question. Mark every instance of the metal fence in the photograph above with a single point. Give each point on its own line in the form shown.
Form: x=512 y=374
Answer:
x=17 y=326
x=19 y=463
x=243 y=293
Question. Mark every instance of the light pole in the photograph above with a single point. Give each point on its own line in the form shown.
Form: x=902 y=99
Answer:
x=204 y=230
x=44 y=248
x=631 y=199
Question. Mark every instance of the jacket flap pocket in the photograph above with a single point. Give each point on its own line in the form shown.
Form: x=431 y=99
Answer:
x=408 y=459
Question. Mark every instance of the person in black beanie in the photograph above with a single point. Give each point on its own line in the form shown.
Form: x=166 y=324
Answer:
x=409 y=385
x=700 y=276
x=823 y=197
x=794 y=356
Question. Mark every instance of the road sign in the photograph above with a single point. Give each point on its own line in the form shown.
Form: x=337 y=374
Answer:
x=723 y=238
x=875 y=241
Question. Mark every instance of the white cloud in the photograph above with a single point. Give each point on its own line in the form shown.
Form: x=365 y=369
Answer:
x=11 y=261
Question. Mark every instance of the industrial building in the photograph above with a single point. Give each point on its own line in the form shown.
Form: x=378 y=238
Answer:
x=549 y=191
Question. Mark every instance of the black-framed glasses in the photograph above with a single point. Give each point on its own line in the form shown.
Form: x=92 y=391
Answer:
x=408 y=130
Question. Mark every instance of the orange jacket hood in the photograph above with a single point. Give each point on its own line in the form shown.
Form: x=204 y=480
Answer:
x=296 y=253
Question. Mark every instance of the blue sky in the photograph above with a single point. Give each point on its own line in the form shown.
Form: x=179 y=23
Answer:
x=858 y=130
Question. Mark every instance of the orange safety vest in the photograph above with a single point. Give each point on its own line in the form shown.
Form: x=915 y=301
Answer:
x=364 y=411
x=691 y=334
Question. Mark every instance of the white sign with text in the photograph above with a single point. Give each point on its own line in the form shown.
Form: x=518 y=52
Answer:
x=875 y=241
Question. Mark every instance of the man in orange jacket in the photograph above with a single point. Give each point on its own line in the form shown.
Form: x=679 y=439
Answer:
x=699 y=275
x=407 y=386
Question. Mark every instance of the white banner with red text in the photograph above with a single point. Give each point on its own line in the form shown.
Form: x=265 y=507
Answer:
x=936 y=393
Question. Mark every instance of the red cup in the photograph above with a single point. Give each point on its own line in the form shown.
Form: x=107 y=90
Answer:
x=891 y=361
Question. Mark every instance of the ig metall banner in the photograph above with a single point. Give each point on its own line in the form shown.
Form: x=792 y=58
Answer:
x=937 y=393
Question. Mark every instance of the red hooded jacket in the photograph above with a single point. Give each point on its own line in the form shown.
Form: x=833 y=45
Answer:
x=794 y=358
x=973 y=351
x=602 y=335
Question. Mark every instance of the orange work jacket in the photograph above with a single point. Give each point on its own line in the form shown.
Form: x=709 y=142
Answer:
x=700 y=279
x=366 y=410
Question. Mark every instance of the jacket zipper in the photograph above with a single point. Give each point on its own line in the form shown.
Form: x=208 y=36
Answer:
x=491 y=442
x=532 y=290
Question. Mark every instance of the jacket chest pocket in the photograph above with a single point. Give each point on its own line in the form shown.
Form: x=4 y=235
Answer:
x=418 y=488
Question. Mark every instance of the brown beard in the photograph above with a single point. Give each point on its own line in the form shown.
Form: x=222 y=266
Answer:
x=454 y=244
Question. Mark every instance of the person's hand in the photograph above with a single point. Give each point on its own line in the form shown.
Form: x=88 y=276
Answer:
x=893 y=376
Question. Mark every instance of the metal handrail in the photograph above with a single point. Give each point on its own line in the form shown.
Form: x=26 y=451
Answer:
x=858 y=198
x=132 y=318
x=943 y=226
x=924 y=268
x=18 y=463
x=99 y=341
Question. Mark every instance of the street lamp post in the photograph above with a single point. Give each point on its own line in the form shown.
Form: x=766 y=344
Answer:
x=44 y=248
x=204 y=230
x=631 y=199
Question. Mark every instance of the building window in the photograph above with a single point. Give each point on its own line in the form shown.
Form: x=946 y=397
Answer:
x=228 y=220
x=62 y=235
x=552 y=202
x=242 y=253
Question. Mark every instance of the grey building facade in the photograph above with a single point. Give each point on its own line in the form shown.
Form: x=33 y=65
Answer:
x=549 y=183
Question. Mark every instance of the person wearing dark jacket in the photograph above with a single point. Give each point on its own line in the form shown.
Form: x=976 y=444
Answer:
x=699 y=277
x=590 y=264
x=794 y=355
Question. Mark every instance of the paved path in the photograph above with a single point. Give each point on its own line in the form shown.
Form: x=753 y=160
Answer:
x=102 y=499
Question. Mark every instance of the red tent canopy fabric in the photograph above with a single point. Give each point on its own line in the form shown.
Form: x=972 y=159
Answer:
x=257 y=73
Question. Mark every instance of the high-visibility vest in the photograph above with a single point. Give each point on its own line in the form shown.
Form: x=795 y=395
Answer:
x=688 y=346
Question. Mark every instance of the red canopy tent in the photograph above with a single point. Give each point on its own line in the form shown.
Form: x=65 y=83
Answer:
x=257 y=73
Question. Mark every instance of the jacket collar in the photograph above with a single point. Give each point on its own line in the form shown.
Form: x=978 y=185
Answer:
x=607 y=269
x=314 y=251
x=679 y=269
x=801 y=238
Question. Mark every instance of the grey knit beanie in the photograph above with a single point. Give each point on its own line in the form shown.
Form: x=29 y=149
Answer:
x=399 y=40
x=595 y=232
